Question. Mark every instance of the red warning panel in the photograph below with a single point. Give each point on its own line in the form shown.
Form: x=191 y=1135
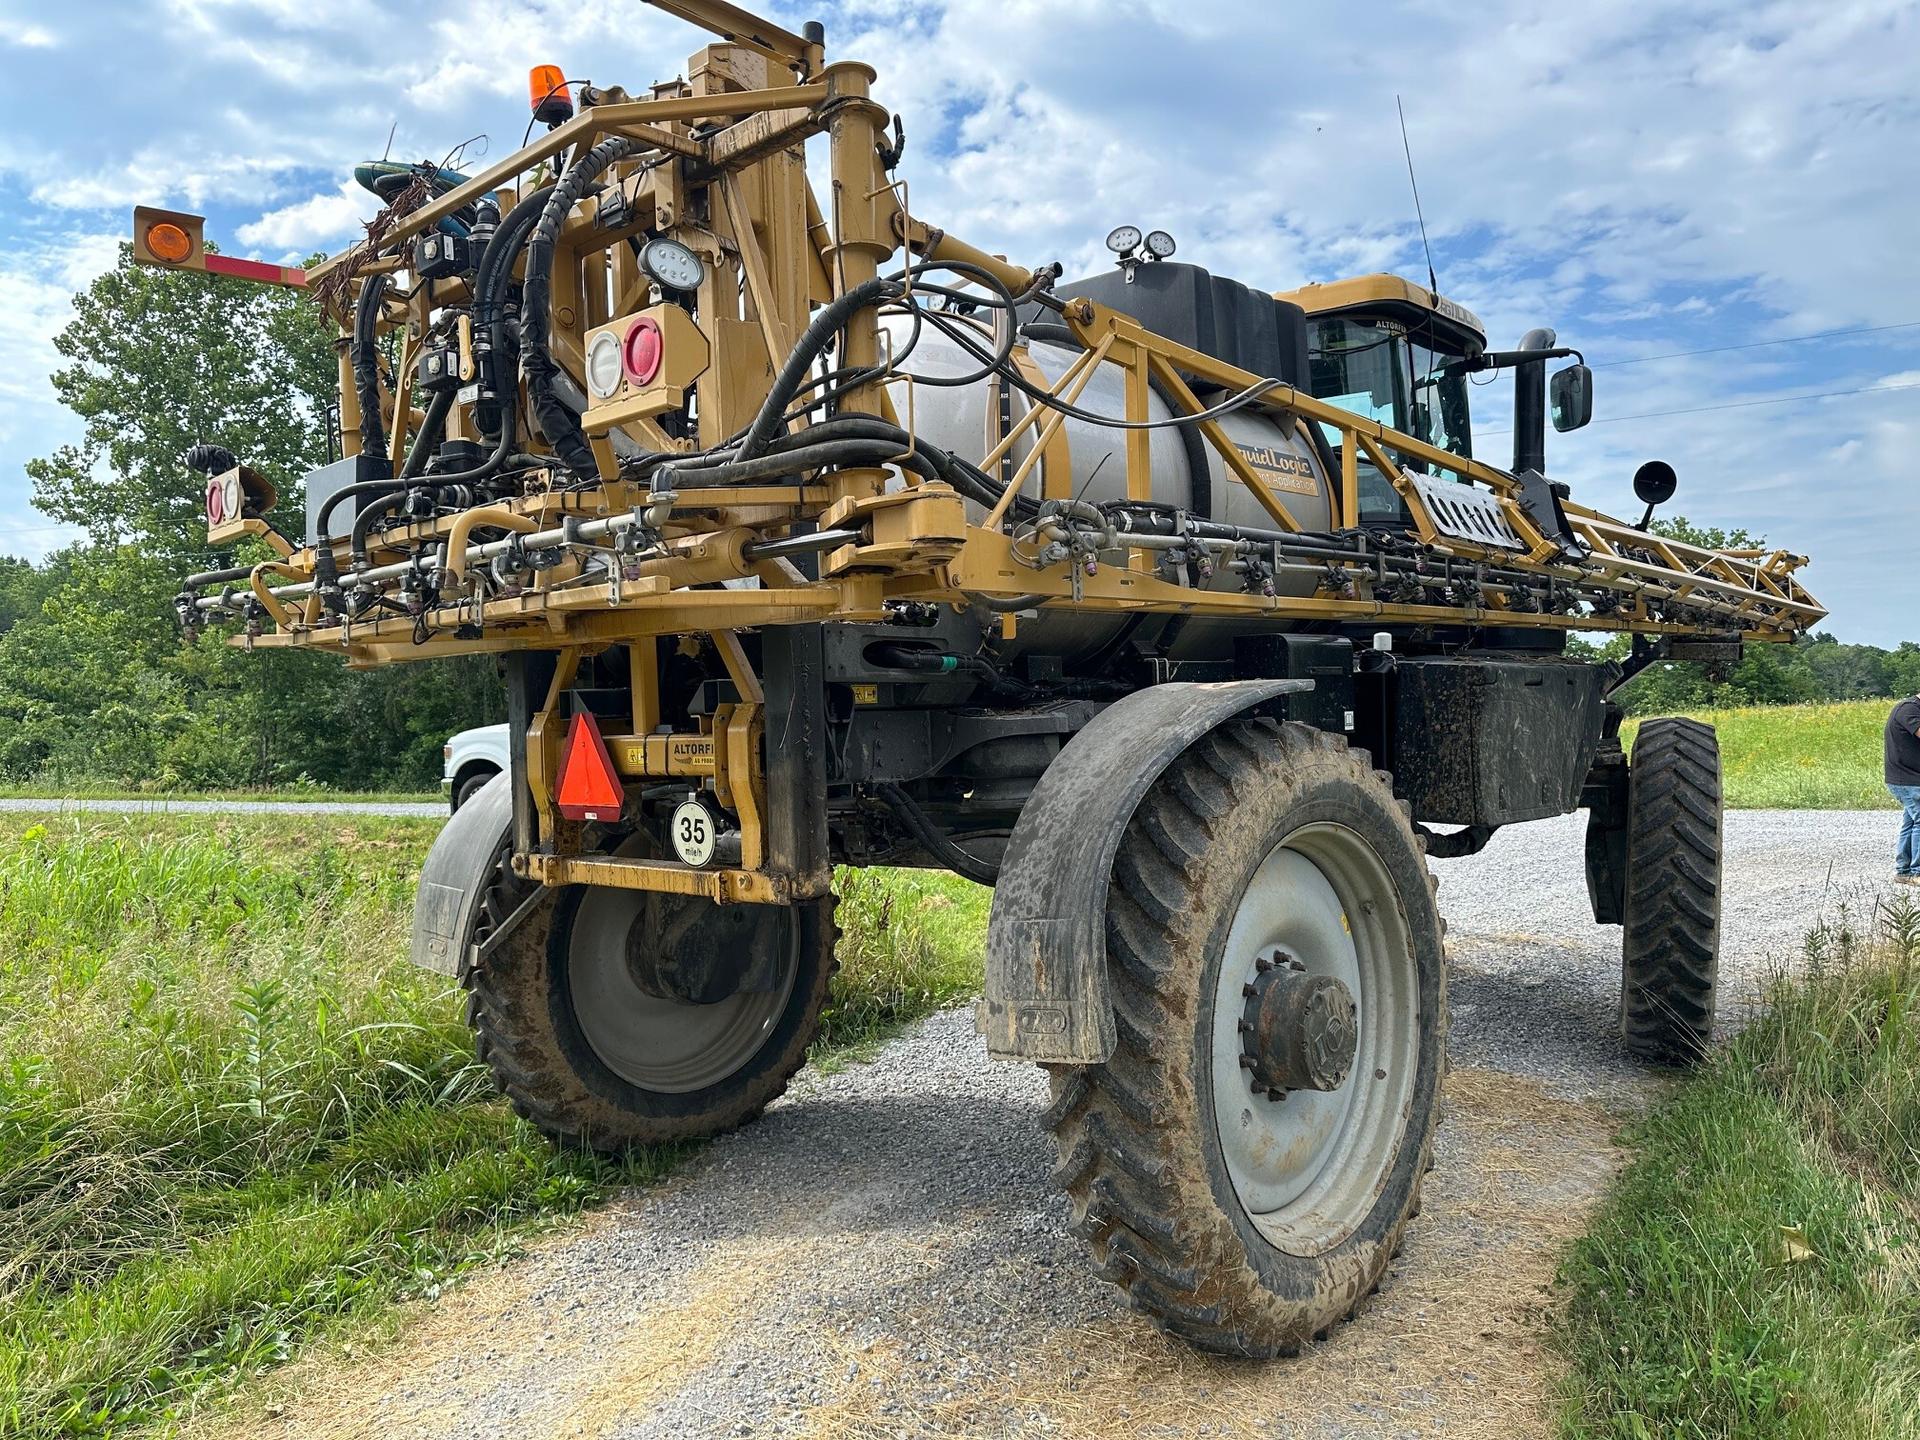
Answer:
x=589 y=787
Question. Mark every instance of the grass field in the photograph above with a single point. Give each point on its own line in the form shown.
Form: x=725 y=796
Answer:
x=1756 y=1272
x=294 y=793
x=1801 y=757
x=232 y=1114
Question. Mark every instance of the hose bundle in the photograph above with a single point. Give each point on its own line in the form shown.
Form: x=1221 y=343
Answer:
x=557 y=421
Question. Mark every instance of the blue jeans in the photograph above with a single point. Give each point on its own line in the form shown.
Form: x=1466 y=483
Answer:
x=1906 y=859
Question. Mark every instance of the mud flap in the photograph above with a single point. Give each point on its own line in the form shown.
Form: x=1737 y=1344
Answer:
x=1046 y=985
x=453 y=881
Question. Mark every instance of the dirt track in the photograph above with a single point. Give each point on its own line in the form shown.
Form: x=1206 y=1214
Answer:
x=883 y=1255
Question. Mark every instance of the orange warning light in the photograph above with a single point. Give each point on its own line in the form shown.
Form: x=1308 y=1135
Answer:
x=169 y=243
x=547 y=92
x=168 y=237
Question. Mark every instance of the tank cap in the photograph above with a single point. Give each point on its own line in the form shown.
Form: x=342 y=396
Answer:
x=1383 y=640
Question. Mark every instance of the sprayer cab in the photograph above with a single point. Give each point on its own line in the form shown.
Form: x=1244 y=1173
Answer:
x=1401 y=353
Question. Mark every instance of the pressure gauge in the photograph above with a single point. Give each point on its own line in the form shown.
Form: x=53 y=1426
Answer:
x=1159 y=244
x=603 y=364
x=1124 y=239
x=672 y=264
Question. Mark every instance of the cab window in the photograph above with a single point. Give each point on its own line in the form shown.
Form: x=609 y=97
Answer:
x=1376 y=370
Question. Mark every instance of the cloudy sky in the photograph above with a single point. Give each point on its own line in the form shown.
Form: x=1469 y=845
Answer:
x=1646 y=178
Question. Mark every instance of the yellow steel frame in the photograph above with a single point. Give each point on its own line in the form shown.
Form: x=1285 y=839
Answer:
x=738 y=194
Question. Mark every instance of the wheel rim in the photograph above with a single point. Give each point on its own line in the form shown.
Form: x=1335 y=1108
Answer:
x=1306 y=1168
x=648 y=1040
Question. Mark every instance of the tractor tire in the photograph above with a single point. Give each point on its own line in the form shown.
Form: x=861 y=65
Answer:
x=595 y=1061
x=1670 y=950
x=1243 y=1216
x=471 y=785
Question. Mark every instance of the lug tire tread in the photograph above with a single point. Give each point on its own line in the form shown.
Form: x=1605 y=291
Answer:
x=1671 y=933
x=1120 y=1162
x=515 y=1037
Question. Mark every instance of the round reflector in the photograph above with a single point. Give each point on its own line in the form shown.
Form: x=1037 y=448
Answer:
x=603 y=365
x=642 y=353
x=168 y=242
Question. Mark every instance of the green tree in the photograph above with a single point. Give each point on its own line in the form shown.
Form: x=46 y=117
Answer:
x=96 y=681
x=159 y=360
x=1678 y=527
x=22 y=586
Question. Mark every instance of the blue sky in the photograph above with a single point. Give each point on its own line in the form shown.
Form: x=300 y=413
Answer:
x=1646 y=178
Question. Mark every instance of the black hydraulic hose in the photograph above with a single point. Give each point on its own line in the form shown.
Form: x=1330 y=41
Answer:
x=490 y=281
x=365 y=516
x=826 y=323
x=421 y=482
x=1199 y=468
x=431 y=427
x=896 y=656
x=1240 y=400
x=216 y=577
x=808 y=457
x=345 y=493
x=965 y=477
x=557 y=421
x=491 y=277
x=364 y=357
x=963 y=863
x=1010 y=603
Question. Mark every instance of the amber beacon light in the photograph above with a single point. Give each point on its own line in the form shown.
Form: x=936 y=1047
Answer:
x=548 y=94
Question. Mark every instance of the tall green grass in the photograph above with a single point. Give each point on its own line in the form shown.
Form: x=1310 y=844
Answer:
x=911 y=943
x=1756 y=1272
x=231 y=1113
x=1801 y=757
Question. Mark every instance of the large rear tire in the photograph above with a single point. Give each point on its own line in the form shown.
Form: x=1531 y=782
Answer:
x=599 y=1052
x=1670 y=949
x=1243 y=1210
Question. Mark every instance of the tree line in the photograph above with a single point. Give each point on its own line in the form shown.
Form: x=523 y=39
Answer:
x=97 y=684
x=1818 y=667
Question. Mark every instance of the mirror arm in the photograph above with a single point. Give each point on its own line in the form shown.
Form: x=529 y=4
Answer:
x=1506 y=359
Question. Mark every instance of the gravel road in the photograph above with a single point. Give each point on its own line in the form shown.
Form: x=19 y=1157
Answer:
x=882 y=1254
x=422 y=809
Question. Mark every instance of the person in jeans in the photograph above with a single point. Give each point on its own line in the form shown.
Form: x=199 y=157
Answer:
x=1903 y=779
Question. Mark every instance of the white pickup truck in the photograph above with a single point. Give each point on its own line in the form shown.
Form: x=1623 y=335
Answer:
x=470 y=759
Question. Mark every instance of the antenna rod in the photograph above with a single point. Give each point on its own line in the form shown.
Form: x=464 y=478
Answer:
x=1432 y=283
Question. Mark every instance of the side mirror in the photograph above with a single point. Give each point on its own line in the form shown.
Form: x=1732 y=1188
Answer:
x=1571 y=394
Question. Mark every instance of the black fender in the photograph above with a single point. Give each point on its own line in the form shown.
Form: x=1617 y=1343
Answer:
x=1047 y=997
x=454 y=879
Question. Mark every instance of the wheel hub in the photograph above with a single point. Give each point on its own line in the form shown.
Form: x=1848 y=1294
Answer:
x=1300 y=1031
x=692 y=1014
x=699 y=953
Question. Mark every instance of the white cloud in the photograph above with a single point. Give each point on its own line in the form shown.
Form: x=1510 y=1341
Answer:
x=36 y=301
x=25 y=35
x=37 y=285
x=316 y=223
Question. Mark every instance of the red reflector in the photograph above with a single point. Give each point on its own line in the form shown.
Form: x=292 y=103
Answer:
x=643 y=350
x=260 y=270
x=589 y=787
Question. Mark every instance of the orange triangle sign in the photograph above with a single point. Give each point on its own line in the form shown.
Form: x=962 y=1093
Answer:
x=589 y=786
